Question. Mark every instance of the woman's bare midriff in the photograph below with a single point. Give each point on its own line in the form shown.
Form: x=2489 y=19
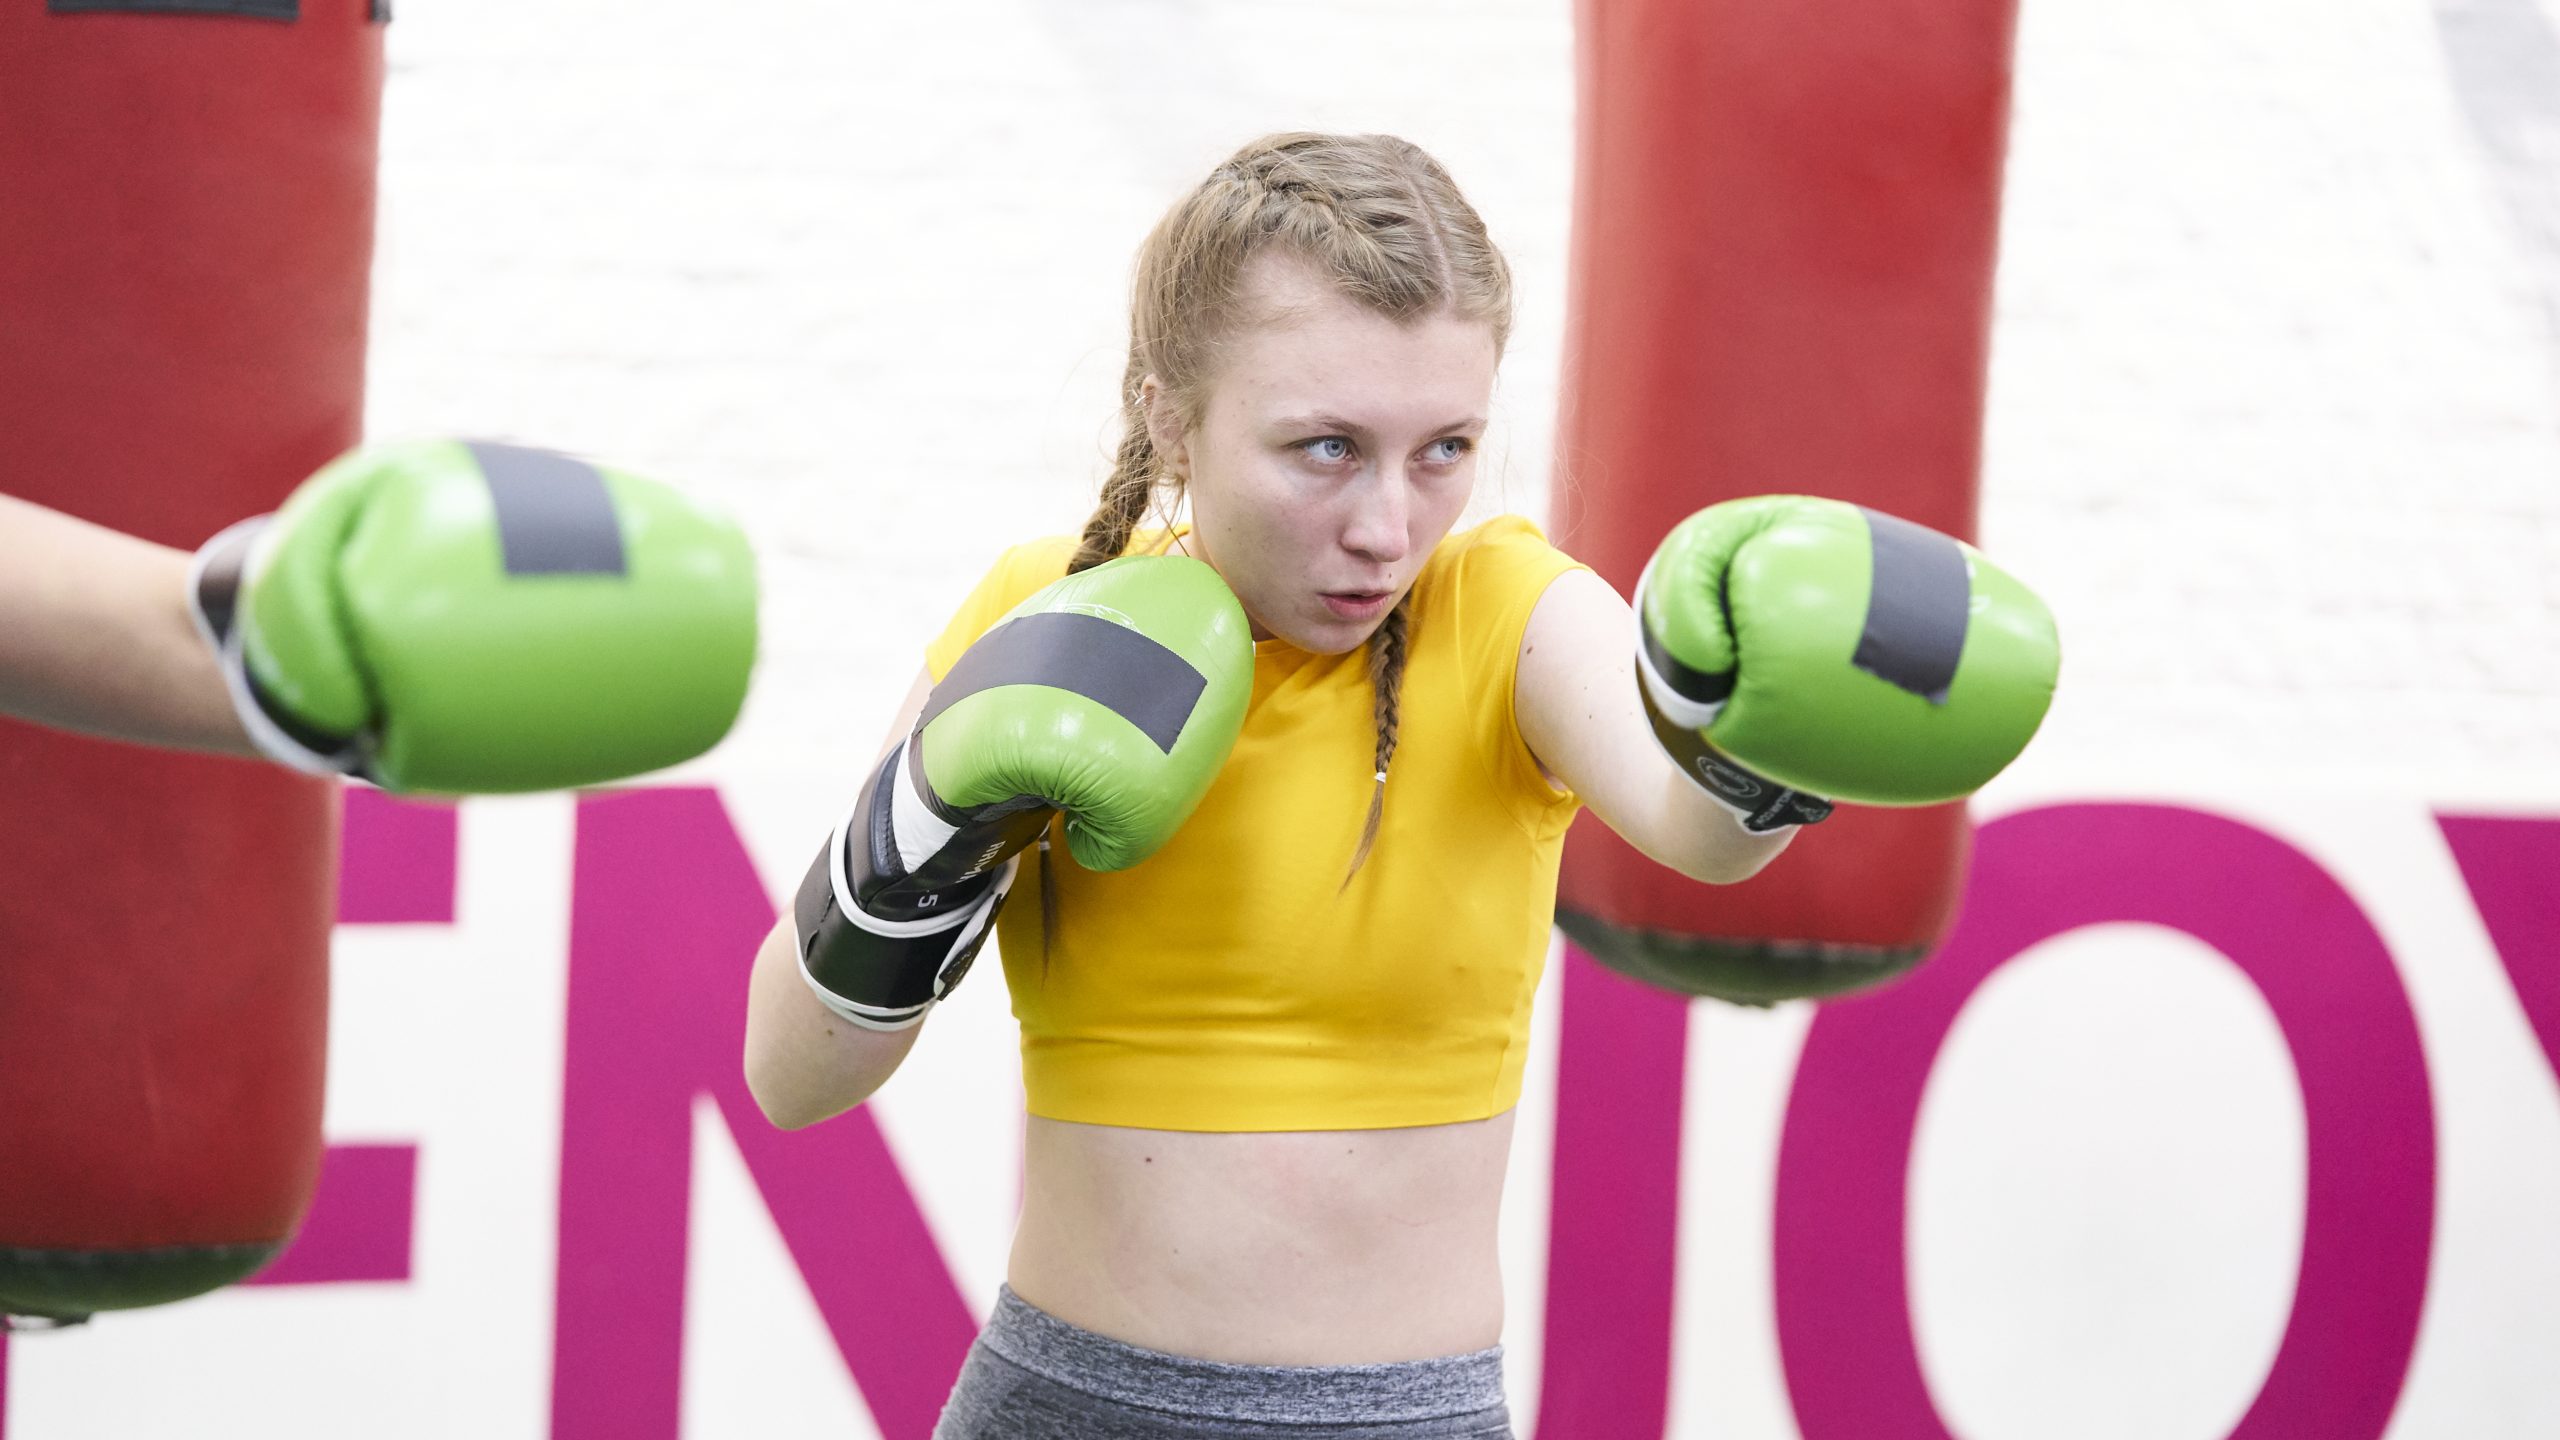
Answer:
x=1343 y=1247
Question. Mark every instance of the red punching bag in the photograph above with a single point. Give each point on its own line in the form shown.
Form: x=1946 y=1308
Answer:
x=1784 y=229
x=184 y=245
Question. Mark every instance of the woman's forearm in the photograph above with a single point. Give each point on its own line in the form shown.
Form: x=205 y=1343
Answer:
x=804 y=1062
x=95 y=636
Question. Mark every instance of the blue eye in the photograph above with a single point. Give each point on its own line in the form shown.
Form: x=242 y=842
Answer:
x=1331 y=449
x=1452 y=447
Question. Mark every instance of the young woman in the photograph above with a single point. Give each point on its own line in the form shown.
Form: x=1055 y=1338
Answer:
x=1271 y=1070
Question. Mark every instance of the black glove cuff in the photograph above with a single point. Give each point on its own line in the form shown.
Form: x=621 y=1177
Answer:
x=1763 y=804
x=882 y=973
x=214 y=580
x=881 y=939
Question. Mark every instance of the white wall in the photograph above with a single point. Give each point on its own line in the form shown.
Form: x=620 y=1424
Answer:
x=2275 y=412
x=862 y=270
x=2275 y=407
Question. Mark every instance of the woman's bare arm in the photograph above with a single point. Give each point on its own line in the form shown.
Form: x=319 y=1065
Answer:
x=1580 y=711
x=804 y=1062
x=95 y=636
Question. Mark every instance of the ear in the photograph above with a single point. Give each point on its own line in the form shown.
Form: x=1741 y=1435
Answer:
x=1164 y=425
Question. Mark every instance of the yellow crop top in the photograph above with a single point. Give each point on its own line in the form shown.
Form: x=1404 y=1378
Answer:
x=1223 y=983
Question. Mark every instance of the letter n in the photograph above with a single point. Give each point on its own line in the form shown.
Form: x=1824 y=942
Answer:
x=667 y=915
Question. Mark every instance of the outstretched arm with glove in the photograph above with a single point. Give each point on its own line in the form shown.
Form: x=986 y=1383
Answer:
x=1782 y=653
x=438 y=617
x=95 y=636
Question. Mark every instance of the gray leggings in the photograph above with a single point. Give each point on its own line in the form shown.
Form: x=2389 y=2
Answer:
x=1032 y=1374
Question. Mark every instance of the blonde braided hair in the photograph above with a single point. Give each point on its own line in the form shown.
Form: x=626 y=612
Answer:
x=1373 y=214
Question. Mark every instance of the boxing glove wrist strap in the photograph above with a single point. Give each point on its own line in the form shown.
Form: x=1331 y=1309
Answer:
x=904 y=895
x=214 y=578
x=1681 y=702
x=885 y=974
x=1763 y=804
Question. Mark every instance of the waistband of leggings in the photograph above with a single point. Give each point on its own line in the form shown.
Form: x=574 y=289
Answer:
x=1070 y=1355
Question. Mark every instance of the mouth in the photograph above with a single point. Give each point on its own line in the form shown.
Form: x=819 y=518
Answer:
x=1358 y=604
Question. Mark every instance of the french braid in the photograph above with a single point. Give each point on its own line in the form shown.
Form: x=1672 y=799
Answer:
x=1374 y=214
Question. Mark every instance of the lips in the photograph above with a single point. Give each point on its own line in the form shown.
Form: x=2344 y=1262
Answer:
x=1358 y=604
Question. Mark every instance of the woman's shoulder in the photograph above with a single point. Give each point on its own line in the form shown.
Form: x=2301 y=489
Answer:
x=1045 y=559
x=1035 y=562
x=1018 y=573
x=1020 y=570
x=1015 y=576
x=1505 y=553
x=1475 y=594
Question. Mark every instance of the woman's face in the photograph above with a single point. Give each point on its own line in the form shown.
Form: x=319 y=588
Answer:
x=1334 y=448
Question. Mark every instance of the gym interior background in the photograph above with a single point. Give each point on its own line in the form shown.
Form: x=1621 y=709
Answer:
x=2274 y=425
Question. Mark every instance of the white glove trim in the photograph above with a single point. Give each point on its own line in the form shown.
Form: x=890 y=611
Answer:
x=229 y=653
x=1677 y=708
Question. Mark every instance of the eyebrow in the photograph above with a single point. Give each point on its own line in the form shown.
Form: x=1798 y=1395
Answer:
x=1336 y=422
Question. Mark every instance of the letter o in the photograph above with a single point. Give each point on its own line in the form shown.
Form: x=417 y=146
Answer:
x=1843 y=1284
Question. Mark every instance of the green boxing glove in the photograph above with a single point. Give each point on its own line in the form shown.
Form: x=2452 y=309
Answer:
x=452 y=617
x=1797 y=650
x=1113 y=695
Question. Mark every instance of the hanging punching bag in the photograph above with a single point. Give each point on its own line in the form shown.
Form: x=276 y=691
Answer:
x=1783 y=240
x=184 y=246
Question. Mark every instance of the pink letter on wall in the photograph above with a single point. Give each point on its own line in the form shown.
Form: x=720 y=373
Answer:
x=667 y=916
x=397 y=862
x=1844 y=1318
x=361 y=1219
x=2513 y=869
x=1614 y=1224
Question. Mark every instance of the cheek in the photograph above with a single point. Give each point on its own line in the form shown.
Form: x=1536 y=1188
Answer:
x=1246 y=513
x=1442 y=503
x=1270 y=542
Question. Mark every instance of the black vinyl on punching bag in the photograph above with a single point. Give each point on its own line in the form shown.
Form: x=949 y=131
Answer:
x=186 y=231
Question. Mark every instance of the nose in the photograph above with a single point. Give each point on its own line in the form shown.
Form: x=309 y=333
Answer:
x=1377 y=528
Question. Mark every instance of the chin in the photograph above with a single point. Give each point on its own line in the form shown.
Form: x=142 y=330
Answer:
x=1332 y=637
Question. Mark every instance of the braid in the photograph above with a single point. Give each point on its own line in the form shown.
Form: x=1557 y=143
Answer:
x=1131 y=488
x=1372 y=214
x=1386 y=683
x=1126 y=497
x=1309 y=219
